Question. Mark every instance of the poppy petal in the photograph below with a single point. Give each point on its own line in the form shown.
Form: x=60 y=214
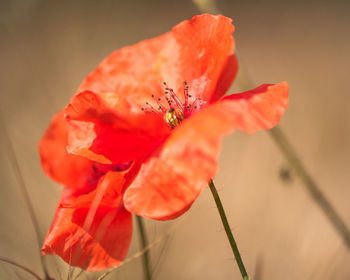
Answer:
x=198 y=51
x=101 y=129
x=173 y=177
x=203 y=55
x=70 y=170
x=89 y=231
x=226 y=78
x=260 y=108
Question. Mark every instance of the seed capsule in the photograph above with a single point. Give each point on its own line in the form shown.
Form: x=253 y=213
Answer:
x=173 y=117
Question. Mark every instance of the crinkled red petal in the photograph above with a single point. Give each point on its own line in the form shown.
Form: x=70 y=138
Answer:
x=260 y=108
x=91 y=231
x=203 y=55
x=198 y=51
x=226 y=78
x=173 y=177
x=101 y=129
x=70 y=170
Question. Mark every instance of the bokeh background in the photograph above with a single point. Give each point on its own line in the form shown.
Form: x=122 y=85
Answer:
x=48 y=47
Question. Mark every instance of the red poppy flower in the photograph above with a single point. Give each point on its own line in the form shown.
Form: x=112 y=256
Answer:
x=138 y=146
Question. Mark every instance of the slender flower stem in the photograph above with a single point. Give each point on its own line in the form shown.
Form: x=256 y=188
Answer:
x=144 y=242
x=228 y=231
x=309 y=183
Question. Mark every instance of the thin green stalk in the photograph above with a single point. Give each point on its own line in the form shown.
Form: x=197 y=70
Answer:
x=228 y=231
x=309 y=183
x=144 y=242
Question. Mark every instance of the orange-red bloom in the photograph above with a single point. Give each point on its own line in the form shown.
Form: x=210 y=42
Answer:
x=127 y=143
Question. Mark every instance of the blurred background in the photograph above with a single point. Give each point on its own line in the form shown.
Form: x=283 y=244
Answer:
x=48 y=47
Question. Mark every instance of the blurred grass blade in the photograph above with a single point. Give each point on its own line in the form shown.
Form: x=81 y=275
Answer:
x=5 y=260
x=20 y=180
x=291 y=156
x=315 y=192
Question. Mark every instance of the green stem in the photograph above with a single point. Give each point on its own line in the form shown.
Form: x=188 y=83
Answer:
x=144 y=242
x=315 y=192
x=228 y=231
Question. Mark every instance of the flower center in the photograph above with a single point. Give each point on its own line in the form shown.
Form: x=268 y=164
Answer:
x=173 y=117
x=174 y=111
